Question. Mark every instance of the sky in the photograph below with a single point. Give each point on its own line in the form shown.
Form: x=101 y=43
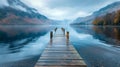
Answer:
x=67 y=9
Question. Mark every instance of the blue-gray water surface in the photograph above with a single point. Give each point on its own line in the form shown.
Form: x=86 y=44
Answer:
x=21 y=46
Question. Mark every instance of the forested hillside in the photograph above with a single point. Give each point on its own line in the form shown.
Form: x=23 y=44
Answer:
x=108 y=19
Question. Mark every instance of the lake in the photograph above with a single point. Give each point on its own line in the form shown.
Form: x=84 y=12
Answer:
x=21 y=46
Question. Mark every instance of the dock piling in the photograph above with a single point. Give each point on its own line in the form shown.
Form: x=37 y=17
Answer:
x=55 y=29
x=51 y=35
x=63 y=30
x=67 y=35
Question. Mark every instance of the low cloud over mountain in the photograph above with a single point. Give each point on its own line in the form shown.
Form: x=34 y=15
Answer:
x=16 y=12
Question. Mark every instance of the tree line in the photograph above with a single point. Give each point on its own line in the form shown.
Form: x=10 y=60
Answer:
x=108 y=19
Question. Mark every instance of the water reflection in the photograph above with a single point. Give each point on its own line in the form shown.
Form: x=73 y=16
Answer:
x=94 y=45
x=106 y=34
x=22 y=42
x=111 y=33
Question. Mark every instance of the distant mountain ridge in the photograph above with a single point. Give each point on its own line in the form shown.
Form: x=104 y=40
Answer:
x=103 y=11
x=109 y=8
x=19 y=13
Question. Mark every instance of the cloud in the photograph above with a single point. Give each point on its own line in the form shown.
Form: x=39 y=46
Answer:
x=20 y=8
x=3 y=3
x=67 y=9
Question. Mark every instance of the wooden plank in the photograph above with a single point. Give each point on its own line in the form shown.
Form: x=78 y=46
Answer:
x=61 y=58
x=63 y=49
x=62 y=55
x=61 y=63
x=63 y=52
x=59 y=50
x=70 y=61
x=60 y=46
x=63 y=66
x=59 y=54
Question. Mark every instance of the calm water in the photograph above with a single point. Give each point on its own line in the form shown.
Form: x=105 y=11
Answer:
x=21 y=46
x=99 y=46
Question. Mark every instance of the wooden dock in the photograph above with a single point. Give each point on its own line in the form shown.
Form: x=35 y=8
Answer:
x=60 y=53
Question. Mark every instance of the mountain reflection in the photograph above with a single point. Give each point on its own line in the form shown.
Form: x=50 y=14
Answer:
x=111 y=34
x=15 y=37
x=107 y=34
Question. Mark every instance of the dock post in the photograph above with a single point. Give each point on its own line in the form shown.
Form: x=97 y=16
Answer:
x=51 y=37
x=67 y=36
x=63 y=30
x=55 y=29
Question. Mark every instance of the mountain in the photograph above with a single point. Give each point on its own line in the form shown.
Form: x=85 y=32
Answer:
x=103 y=11
x=19 y=13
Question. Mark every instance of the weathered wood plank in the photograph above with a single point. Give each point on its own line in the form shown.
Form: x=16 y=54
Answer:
x=70 y=61
x=61 y=58
x=60 y=63
x=60 y=52
x=61 y=55
x=57 y=49
x=63 y=66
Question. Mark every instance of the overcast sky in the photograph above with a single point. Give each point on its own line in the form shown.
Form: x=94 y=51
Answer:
x=67 y=9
